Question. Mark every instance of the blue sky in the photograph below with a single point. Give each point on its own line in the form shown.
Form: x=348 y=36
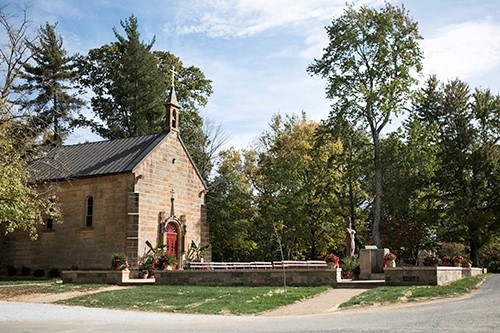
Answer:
x=256 y=51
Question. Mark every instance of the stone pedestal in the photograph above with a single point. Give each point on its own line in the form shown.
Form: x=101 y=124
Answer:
x=371 y=263
x=338 y=275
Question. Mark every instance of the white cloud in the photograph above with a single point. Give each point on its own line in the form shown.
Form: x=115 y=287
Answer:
x=243 y=18
x=463 y=50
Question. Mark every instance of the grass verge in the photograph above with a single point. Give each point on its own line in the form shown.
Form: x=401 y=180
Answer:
x=403 y=294
x=197 y=299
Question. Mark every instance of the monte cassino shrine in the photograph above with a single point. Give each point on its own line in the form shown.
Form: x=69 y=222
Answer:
x=114 y=196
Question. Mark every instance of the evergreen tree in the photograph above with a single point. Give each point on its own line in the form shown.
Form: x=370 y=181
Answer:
x=130 y=90
x=468 y=171
x=49 y=79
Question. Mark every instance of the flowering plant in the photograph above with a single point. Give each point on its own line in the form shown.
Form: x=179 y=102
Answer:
x=390 y=256
x=166 y=260
x=466 y=262
x=119 y=261
x=330 y=257
x=456 y=260
x=431 y=260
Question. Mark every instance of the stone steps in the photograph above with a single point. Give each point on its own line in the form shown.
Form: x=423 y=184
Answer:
x=360 y=284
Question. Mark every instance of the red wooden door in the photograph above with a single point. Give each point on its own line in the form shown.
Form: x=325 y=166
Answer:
x=172 y=236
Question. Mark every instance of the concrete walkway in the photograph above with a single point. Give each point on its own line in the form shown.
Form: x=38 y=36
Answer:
x=323 y=303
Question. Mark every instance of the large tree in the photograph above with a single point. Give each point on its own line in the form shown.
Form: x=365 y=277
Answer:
x=129 y=82
x=48 y=80
x=22 y=207
x=130 y=90
x=369 y=64
x=297 y=182
x=231 y=210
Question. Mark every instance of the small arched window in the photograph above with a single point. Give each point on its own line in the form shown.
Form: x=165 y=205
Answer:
x=89 y=212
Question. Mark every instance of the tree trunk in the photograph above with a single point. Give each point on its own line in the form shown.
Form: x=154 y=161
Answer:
x=377 y=204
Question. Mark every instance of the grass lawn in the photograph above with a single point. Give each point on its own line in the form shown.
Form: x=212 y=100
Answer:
x=198 y=299
x=385 y=295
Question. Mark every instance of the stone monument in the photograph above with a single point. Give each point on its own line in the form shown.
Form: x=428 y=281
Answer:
x=371 y=263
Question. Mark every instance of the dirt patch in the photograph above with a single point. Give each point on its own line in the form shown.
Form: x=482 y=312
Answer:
x=45 y=293
x=23 y=292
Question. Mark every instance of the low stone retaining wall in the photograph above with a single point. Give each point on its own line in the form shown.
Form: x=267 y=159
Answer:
x=111 y=277
x=294 y=277
x=439 y=275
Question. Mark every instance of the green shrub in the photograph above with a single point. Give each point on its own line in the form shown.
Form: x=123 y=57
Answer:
x=450 y=250
x=11 y=270
x=489 y=256
x=39 y=273
x=350 y=265
x=25 y=271
x=54 y=273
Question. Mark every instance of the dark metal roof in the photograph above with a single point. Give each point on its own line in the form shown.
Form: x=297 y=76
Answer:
x=95 y=158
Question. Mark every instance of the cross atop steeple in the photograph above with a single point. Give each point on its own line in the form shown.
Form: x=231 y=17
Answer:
x=172 y=106
x=173 y=75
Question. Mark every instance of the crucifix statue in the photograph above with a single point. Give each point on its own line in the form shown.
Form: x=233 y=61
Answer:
x=350 y=232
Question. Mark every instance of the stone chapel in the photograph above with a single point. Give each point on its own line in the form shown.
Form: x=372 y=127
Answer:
x=114 y=196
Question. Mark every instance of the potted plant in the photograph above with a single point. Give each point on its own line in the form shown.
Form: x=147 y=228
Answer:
x=332 y=261
x=390 y=259
x=119 y=261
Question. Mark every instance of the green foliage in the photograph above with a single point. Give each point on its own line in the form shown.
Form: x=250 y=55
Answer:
x=490 y=256
x=50 y=78
x=129 y=89
x=195 y=252
x=119 y=261
x=369 y=64
x=451 y=250
x=468 y=172
x=353 y=158
x=22 y=205
x=198 y=299
x=230 y=210
x=297 y=182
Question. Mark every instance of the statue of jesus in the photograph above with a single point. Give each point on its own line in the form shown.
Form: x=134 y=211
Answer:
x=350 y=234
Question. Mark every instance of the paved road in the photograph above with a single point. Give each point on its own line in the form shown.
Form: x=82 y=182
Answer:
x=479 y=313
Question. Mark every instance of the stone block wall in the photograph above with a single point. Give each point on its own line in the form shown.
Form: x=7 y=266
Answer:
x=70 y=243
x=110 y=277
x=294 y=277
x=408 y=276
x=169 y=168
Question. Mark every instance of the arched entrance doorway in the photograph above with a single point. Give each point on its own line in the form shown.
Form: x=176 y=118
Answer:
x=171 y=238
